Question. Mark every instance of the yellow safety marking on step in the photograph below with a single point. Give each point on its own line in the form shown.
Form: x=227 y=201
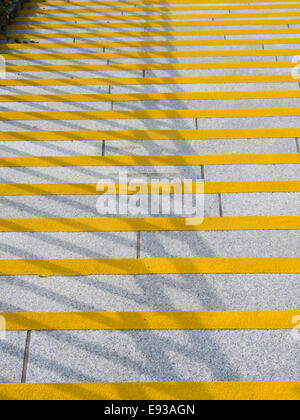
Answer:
x=151 y=2
x=150 y=224
x=187 y=96
x=147 y=81
x=152 y=54
x=134 y=266
x=146 y=135
x=273 y=391
x=150 y=8
x=132 y=44
x=162 y=320
x=45 y=16
x=170 y=33
x=147 y=188
x=151 y=24
x=188 y=160
x=150 y=66
x=150 y=114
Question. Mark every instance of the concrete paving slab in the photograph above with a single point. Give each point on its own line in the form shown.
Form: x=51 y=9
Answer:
x=252 y=172
x=74 y=74
x=58 y=51
x=219 y=72
x=12 y=349
x=221 y=27
x=179 y=12
x=229 y=244
x=164 y=21
x=53 y=90
x=75 y=206
x=203 y=147
x=74 y=125
x=208 y=104
x=67 y=245
x=113 y=356
x=261 y=204
x=249 y=123
x=282 y=46
x=110 y=16
x=205 y=87
x=274 y=8
x=203 y=292
x=137 y=37
x=56 y=60
x=73 y=29
x=225 y=59
x=213 y=173
x=15 y=39
x=288 y=58
x=262 y=36
x=93 y=174
x=262 y=18
x=53 y=106
x=186 y=48
x=51 y=148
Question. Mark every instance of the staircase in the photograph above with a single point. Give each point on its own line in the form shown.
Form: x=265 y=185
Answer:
x=139 y=304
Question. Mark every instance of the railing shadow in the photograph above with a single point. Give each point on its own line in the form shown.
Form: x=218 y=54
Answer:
x=159 y=368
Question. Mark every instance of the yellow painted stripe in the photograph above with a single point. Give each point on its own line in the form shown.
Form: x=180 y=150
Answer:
x=147 y=81
x=132 y=44
x=46 y=16
x=169 y=320
x=114 y=266
x=42 y=16
x=187 y=96
x=106 y=7
x=150 y=224
x=152 y=24
x=188 y=160
x=163 y=188
x=150 y=114
x=146 y=135
x=153 y=391
x=157 y=54
x=153 y=33
x=150 y=66
x=151 y=2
